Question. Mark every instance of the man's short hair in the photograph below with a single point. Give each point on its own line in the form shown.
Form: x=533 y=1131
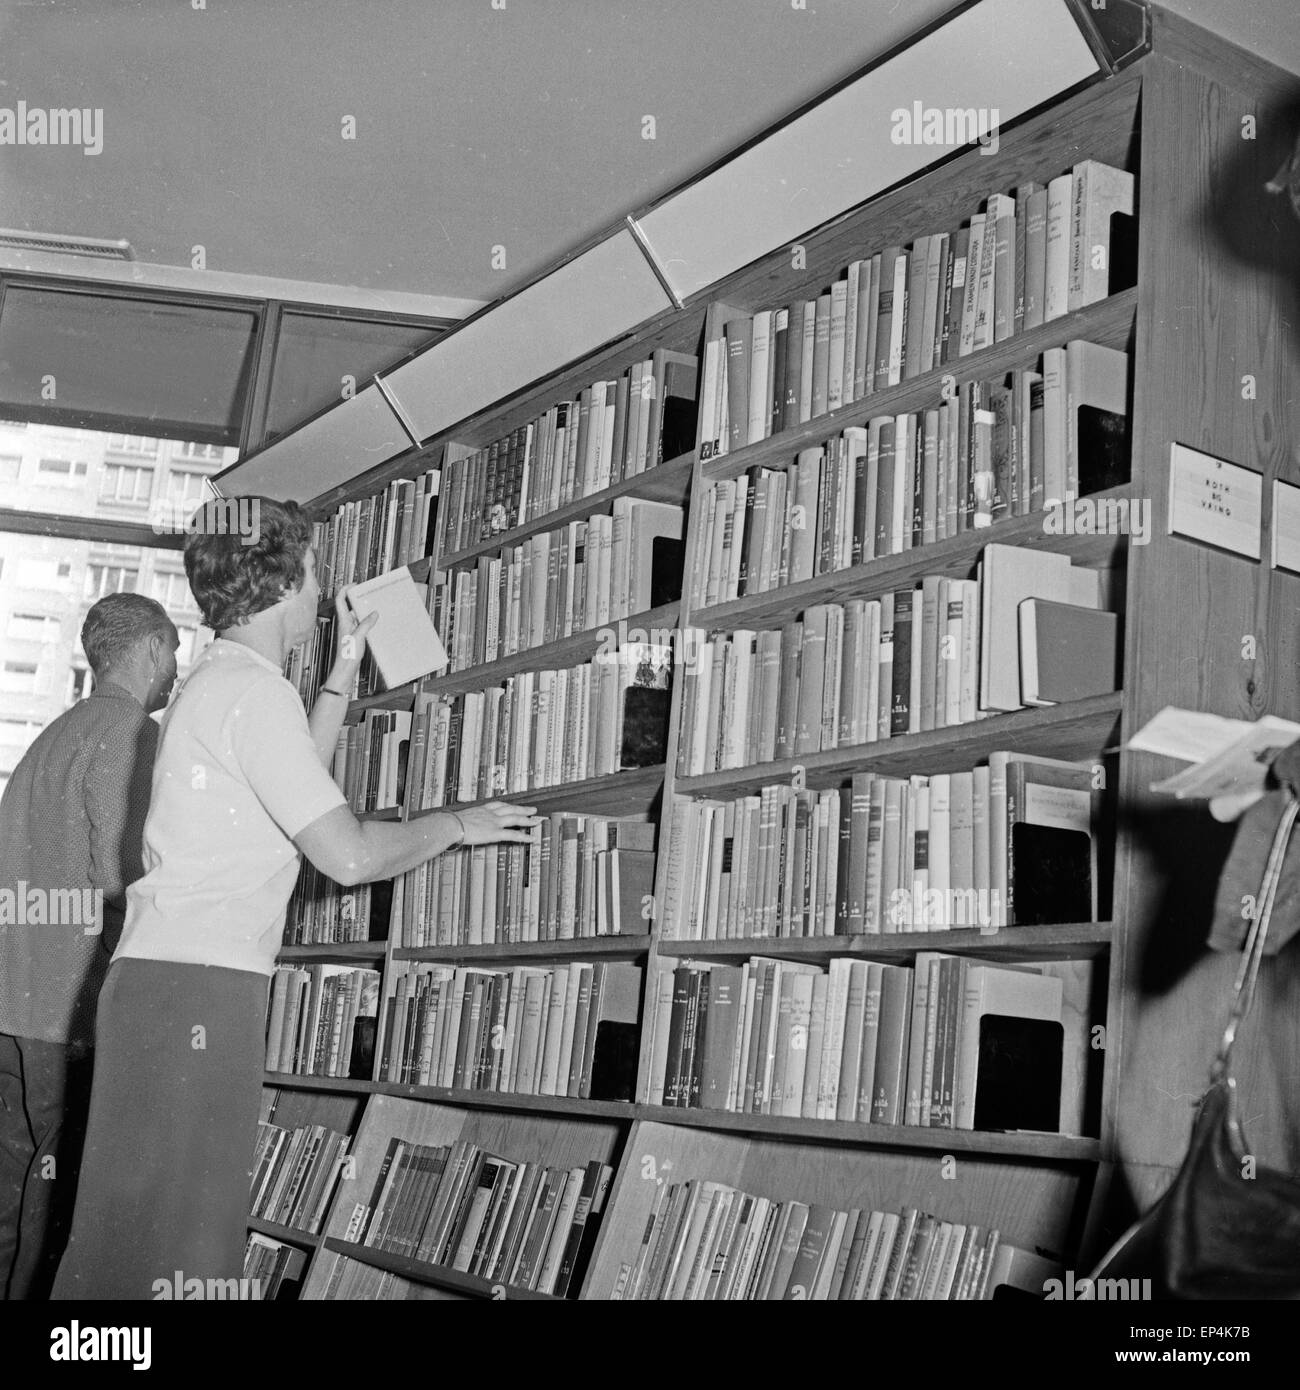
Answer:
x=116 y=623
x=231 y=580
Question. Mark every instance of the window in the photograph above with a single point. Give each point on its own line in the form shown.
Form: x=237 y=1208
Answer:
x=200 y=453
x=79 y=683
x=177 y=369
x=19 y=732
x=110 y=579
x=173 y=591
x=133 y=444
x=56 y=471
x=124 y=482
x=187 y=488
x=314 y=352
x=33 y=627
x=44 y=574
x=185 y=652
x=10 y=466
x=18 y=676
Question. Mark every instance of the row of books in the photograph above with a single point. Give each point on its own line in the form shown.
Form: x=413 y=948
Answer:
x=353 y=1281
x=943 y=653
x=1010 y=843
x=542 y=728
x=991 y=450
x=1022 y=261
x=614 y=430
x=558 y=1030
x=309 y=663
x=579 y=876
x=369 y=761
x=951 y=1042
x=272 y=1268
x=294 y=1172
x=518 y=1223
x=375 y=534
x=321 y=1021
x=322 y=912
x=562 y=582
x=710 y=1241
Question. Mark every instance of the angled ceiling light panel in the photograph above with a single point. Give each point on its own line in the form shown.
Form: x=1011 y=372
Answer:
x=349 y=438
x=600 y=294
x=997 y=59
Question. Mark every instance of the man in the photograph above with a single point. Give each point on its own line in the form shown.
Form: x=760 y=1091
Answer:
x=70 y=827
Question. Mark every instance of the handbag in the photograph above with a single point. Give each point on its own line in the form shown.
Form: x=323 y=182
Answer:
x=1218 y=1232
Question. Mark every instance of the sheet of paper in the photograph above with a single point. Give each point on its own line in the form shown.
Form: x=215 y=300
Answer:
x=1188 y=734
x=1238 y=769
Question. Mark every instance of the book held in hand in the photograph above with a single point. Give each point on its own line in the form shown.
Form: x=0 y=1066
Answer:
x=1229 y=757
x=404 y=642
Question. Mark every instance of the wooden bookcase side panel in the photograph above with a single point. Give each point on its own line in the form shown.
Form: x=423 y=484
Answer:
x=531 y=1138
x=1035 y=1206
x=1206 y=629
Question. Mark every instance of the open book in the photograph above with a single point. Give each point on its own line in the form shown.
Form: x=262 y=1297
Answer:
x=404 y=642
x=1229 y=757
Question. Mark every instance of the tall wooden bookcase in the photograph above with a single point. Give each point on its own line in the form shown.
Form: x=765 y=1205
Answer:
x=1215 y=352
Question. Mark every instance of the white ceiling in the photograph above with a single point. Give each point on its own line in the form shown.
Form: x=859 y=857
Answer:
x=476 y=127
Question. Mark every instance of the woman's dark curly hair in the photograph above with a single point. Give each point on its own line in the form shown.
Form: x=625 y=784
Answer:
x=236 y=570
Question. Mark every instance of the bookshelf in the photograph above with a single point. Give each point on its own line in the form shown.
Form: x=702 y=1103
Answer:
x=1135 y=979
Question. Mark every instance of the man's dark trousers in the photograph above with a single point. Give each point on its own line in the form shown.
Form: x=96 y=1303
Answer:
x=44 y=1099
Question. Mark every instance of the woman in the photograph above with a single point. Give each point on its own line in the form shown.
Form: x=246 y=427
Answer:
x=241 y=786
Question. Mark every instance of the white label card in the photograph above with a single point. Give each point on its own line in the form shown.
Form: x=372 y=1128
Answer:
x=1215 y=502
x=1286 y=527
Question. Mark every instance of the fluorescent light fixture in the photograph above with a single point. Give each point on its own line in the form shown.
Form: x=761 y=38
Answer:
x=999 y=58
x=352 y=437
x=584 y=303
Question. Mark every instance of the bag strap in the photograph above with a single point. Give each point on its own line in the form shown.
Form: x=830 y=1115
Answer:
x=1252 y=952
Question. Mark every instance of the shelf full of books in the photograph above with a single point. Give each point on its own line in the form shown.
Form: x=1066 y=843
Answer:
x=829 y=882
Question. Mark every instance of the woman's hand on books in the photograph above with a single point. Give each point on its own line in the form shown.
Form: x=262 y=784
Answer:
x=495 y=821
x=351 y=645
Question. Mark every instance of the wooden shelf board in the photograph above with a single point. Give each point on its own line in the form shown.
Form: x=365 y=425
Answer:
x=438 y=1276
x=402 y=698
x=325 y=951
x=569 y=949
x=911 y=1137
x=1109 y=322
x=668 y=482
x=1073 y=941
x=598 y=795
x=953 y=557
x=508 y=1100
x=1079 y=730
x=291 y=1081
x=563 y=652
x=289 y=1234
